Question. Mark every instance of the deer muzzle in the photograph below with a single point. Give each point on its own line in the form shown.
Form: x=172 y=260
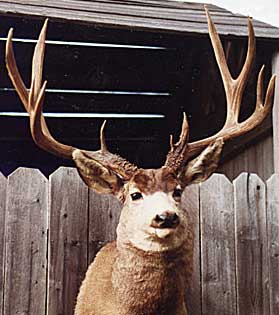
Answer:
x=165 y=220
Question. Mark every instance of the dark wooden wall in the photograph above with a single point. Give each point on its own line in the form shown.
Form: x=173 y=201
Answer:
x=183 y=76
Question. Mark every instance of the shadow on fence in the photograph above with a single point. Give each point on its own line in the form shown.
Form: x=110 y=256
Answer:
x=51 y=230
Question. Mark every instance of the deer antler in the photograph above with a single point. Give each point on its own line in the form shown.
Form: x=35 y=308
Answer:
x=181 y=151
x=33 y=103
x=234 y=88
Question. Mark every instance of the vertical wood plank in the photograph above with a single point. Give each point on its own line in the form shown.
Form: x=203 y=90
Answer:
x=2 y=236
x=275 y=115
x=264 y=153
x=104 y=212
x=26 y=243
x=190 y=202
x=272 y=187
x=234 y=166
x=68 y=233
x=217 y=247
x=257 y=158
x=251 y=245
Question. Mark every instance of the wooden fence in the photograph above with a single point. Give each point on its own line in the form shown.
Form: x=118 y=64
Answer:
x=51 y=229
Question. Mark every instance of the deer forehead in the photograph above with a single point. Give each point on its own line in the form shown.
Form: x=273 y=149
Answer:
x=153 y=180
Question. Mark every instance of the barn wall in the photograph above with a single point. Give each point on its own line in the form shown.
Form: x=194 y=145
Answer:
x=257 y=158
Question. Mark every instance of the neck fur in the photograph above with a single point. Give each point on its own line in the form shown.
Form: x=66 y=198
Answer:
x=148 y=283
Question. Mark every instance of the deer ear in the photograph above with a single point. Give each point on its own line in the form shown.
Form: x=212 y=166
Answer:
x=97 y=176
x=199 y=169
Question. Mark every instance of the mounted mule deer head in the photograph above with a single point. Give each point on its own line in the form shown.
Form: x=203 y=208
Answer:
x=146 y=270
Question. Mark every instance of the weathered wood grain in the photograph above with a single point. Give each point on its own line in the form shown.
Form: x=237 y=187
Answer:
x=190 y=202
x=104 y=212
x=68 y=234
x=217 y=247
x=272 y=186
x=251 y=245
x=136 y=17
x=236 y=267
x=3 y=183
x=275 y=114
x=257 y=158
x=163 y=4
x=190 y=15
x=26 y=243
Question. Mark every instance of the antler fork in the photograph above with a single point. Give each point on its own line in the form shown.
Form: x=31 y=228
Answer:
x=234 y=88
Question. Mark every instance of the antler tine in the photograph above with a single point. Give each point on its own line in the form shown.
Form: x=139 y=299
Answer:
x=14 y=73
x=234 y=88
x=38 y=60
x=178 y=150
x=264 y=104
x=16 y=77
x=102 y=138
x=37 y=70
x=219 y=52
x=243 y=76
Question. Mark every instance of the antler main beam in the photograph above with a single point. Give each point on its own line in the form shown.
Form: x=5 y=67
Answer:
x=234 y=89
x=33 y=103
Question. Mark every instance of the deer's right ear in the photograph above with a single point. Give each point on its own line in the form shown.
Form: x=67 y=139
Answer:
x=96 y=176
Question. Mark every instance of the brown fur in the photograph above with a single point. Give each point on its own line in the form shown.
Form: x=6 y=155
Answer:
x=154 y=282
x=92 y=298
x=132 y=282
x=150 y=181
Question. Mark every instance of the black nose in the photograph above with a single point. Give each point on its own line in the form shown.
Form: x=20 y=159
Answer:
x=166 y=219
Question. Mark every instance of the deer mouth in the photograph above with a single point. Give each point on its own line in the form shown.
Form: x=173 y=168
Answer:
x=163 y=233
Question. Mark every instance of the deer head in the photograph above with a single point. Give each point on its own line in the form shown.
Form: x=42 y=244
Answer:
x=151 y=217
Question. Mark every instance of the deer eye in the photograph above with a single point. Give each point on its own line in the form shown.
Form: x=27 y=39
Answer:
x=177 y=193
x=136 y=196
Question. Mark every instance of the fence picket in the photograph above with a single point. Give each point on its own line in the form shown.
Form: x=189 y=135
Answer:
x=217 y=247
x=273 y=241
x=190 y=202
x=104 y=212
x=67 y=239
x=251 y=245
x=26 y=243
x=2 y=236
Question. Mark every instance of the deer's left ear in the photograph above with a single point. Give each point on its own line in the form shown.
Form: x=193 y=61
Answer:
x=199 y=169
